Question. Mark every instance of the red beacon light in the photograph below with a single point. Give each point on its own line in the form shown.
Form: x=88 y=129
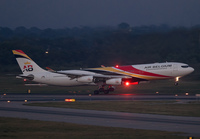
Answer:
x=117 y=66
x=134 y=83
x=127 y=83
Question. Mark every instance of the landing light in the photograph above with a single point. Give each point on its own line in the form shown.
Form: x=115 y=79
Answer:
x=177 y=79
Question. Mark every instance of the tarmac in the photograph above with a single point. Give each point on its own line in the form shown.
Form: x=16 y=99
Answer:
x=12 y=106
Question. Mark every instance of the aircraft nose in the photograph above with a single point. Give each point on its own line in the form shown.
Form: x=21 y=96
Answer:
x=191 y=69
x=187 y=70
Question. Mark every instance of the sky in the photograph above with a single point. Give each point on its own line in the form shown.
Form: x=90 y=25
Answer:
x=75 y=13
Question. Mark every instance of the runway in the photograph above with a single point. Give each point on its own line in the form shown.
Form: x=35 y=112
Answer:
x=188 y=125
x=124 y=97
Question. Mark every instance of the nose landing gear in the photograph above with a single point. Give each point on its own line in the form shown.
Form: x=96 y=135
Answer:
x=176 y=81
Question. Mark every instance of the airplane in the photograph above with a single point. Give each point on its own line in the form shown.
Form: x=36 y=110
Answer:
x=102 y=76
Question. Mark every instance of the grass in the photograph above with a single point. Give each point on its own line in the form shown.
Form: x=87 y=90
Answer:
x=151 y=107
x=9 y=84
x=31 y=129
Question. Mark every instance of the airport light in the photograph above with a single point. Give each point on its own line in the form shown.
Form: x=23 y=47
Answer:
x=29 y=91
x=70 y=100
x=8 y=101
x=186 y=94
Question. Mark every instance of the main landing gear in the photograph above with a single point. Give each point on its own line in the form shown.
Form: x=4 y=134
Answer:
x=106 y=91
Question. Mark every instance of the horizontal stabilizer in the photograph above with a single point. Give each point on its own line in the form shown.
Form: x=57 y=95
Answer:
x=29 y=77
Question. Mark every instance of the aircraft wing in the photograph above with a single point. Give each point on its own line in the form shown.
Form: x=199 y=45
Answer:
x=100 y=74
x=79 y=73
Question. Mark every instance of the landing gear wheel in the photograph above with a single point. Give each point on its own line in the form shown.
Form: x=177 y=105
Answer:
x=106 y=91
x=101 y=89
x=176 y=83
x=96 y=92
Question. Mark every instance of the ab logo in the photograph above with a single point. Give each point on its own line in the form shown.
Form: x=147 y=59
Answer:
x=27 y=67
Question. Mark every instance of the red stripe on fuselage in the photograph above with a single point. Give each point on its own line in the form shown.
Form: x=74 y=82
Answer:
x=131 y=69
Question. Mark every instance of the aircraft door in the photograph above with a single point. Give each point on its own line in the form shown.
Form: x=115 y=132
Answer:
x=48 y=76
x=175 y=70
x=175 y=67
x=45 y=77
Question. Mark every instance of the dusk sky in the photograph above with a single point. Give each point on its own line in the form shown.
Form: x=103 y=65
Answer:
x=71 y=13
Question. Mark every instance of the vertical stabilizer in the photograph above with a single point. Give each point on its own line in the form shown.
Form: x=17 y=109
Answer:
x=27 y=65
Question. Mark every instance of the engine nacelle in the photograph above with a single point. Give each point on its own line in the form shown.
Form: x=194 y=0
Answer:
x=85 y=79
x=115 y=81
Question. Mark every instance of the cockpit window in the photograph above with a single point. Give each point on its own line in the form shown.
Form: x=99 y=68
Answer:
x=185 y=66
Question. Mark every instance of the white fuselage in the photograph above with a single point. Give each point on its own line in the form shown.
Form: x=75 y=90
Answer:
x=153 y=71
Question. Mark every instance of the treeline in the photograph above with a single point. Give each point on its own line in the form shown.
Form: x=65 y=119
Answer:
x=83 y=47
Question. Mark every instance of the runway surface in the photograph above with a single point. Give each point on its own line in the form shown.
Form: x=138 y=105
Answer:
x=188 y=125
x=125 y=97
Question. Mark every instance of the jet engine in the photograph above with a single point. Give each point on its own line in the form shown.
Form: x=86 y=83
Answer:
x=115 y=81
x=85 y=79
